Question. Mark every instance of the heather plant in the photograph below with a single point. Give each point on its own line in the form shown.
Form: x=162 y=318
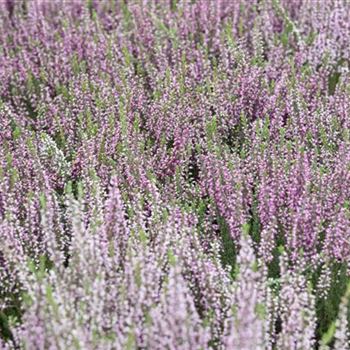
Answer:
x=174 y=174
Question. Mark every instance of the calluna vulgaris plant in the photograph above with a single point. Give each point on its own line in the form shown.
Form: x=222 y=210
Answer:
x=175 y=174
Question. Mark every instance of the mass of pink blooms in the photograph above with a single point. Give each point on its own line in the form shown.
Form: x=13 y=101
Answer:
x=175 y=174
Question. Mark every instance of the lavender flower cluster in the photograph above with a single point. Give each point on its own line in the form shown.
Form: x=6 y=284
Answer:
x=175 y=174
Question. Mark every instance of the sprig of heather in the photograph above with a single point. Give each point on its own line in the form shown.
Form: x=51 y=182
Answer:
x=297 y=304
x=245 y=328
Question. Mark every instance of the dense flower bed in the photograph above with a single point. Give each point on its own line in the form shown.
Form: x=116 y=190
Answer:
x=174 y=174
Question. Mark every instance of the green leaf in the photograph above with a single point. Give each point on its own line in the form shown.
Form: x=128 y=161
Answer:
x=42 y=201
x=246 y=229
x=131 y=341
x=328 y=336
x=260 y=311
x=171 y=257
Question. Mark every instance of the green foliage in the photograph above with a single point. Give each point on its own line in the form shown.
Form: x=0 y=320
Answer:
x=327 y=308
x=229 y=252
